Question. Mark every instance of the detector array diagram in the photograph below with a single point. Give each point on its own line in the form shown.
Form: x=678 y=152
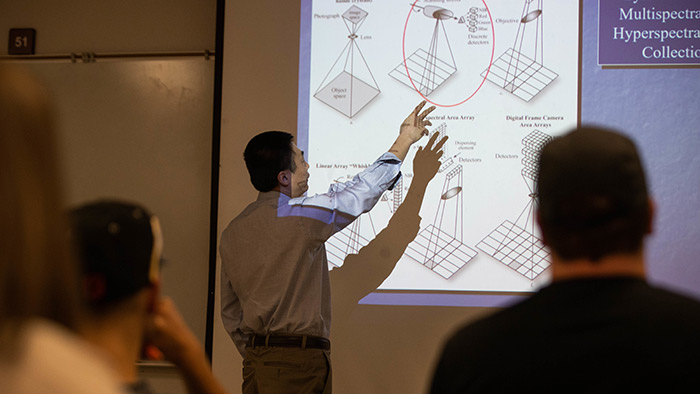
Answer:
x=470 y=20
x=394 y=197
x=447 y=160
x=520 y=70
x=428 y=69
x=439 y=246
x=349 y=85
x=514 y=243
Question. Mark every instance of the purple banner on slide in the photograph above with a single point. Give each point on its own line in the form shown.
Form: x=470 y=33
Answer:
x=648 y=32
x=443 y=299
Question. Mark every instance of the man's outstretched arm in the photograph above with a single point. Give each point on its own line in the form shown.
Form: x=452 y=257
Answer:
x=360 y=194
x=345 y=201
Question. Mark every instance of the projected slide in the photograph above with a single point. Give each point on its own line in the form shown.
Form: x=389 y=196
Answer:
x=504 y=76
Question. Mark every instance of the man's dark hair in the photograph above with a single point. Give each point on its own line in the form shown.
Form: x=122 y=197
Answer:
x=593 y=197
x=266 y=155
x=114 y=243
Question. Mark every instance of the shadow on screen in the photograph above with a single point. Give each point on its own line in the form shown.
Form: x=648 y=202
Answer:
x=363 y=272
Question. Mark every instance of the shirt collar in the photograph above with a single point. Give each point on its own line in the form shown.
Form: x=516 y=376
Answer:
x=271 y=195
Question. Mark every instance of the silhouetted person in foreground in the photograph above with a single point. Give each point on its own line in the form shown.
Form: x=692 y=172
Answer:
x=40 y=303
x=599 y=327
x=120 y=247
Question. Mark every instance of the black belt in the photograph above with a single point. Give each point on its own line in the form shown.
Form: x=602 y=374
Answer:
x=300 y=341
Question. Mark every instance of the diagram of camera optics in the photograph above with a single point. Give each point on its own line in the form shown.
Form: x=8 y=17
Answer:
x=520 y=70
x=349 y=85
x=429 y=68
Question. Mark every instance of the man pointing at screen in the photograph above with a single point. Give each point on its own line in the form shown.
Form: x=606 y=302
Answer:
x=275 y=293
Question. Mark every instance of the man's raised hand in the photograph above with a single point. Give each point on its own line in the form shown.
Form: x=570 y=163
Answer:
x=414 y=126
x=411 y=130
x=427 y=161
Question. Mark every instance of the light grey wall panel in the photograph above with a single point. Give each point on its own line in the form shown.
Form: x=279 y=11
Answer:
x=141 y=130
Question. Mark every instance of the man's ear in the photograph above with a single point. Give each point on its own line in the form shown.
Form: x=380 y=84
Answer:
x=284 y=178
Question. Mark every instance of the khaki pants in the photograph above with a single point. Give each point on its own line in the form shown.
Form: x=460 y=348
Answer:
x=273 y=370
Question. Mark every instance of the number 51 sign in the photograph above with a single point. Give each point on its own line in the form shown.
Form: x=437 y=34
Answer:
x=21 y=42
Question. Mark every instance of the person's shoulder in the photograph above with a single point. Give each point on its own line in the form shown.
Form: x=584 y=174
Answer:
x=472 y=352
x=479 y=332
x=497 y=328
x=671 y=301
x=268 y=200
x=663 y=292
x=57 y=361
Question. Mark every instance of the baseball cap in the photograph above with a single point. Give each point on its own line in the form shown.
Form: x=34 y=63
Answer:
x=119 y=245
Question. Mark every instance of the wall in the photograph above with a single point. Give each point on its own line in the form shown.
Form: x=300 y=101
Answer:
x=136 y=129
x=112 y=26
